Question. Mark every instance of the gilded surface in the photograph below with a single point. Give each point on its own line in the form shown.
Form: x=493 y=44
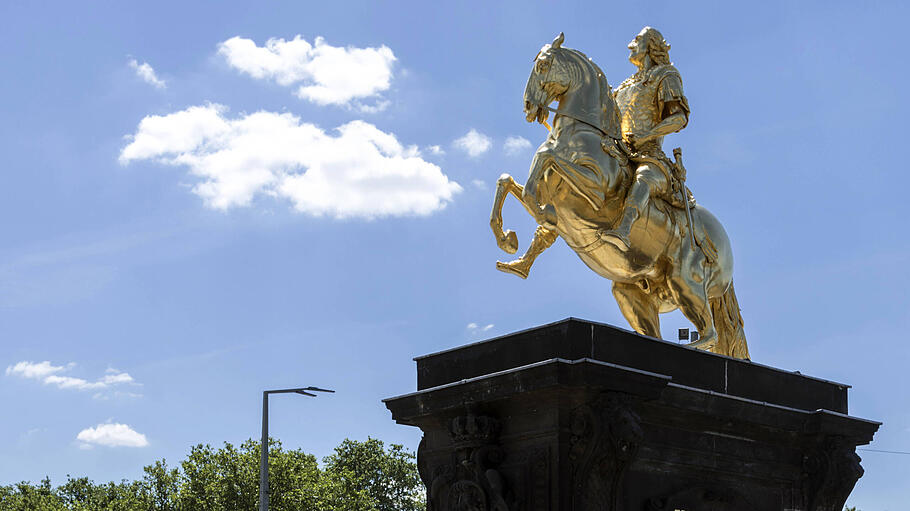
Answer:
x=602 y=183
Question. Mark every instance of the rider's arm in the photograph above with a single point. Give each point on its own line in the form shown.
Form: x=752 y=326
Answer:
x=674 y=108
x=675 y=121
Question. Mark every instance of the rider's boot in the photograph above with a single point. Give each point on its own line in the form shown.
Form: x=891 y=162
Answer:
x=636 y=202
x=543 y=238
x=619 y=237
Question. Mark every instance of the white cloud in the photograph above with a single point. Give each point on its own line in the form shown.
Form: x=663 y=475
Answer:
x=69 y=382
x=359 y=172
x=436 y=150
x=474 y=143
x=47 y=374
x=36 y=370
x=475 y=329
x=516 y=145
x=147 y=74
x=114 y=378
x=111 y=435
x=479 y=184
x=329 y=75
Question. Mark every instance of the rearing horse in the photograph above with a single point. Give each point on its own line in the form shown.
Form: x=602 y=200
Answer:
x=663 y=270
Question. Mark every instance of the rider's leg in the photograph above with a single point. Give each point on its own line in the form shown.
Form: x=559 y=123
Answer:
x=543 y=238
x=647 y=181
x=638 y=307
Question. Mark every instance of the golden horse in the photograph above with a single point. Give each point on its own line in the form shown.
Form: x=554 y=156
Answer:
x=668 y=265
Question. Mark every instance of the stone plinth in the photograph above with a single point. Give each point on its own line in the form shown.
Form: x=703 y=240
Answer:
x=582 y=416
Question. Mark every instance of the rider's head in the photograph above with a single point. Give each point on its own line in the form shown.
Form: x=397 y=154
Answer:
x=651 y=43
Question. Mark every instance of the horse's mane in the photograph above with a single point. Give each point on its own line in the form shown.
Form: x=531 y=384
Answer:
x=584 y=58
x=606 y=92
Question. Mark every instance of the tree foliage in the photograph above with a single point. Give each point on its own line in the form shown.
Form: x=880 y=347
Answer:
x=358 y=476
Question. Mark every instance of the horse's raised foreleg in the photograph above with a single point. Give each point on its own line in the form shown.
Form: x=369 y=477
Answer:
x=543 y=238
x=508 y=240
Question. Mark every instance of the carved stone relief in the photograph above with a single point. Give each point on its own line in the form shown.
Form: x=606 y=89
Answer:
x=606 y=435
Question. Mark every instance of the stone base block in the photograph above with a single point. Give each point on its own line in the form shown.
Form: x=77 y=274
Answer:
x=582 y=416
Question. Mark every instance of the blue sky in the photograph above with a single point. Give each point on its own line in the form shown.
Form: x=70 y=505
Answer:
x=165 y=256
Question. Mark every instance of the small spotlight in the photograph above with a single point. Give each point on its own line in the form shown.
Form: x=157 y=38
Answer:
x=683 y=334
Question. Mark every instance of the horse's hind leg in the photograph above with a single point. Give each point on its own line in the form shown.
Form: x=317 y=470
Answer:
x=639 y=308
x=507 y=241
x=688 y=291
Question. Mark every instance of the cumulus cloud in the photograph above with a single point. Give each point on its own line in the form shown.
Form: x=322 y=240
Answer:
x=516 y=145
x=358 y=171
x=36 y=370
x=328 y=75
x=479 y=184
x=475 y=329
x=436 y=150
x=47 y=373
x=474 y=143
x=111 y=435
x=69 y=382
x=114 y=377
x=147 y=74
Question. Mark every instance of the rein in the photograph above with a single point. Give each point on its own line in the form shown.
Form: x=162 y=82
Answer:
x=559 y=112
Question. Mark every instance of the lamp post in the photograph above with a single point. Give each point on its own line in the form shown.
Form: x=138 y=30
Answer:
x=264 y=448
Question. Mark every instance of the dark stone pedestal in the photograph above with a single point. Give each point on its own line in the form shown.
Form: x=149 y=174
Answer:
x=582 y=416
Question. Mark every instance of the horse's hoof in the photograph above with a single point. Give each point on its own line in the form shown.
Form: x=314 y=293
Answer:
x=514 y=267
x=509 y=242
x=705 y=343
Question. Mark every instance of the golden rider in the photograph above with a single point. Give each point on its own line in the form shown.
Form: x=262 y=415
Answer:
x=652 y=105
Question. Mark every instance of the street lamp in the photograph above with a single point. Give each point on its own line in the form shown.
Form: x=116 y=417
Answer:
x=264 y=460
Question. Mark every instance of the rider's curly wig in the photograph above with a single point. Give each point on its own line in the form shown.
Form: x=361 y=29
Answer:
x=658 y=47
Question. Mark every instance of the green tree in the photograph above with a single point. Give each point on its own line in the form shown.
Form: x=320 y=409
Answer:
x=158 y=487
x=27 y=497
x=388 y=478
x=359 y=476
x=228 y=478
x=81 y=494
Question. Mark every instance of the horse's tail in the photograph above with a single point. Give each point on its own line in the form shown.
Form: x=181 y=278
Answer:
x=731 y=339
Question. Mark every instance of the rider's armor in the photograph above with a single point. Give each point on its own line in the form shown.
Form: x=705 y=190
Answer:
x=643 y=103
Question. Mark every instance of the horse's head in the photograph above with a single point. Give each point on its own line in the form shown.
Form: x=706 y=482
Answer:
x=570 y=77
x=548 y=81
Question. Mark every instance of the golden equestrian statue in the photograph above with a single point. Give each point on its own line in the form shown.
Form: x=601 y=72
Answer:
x=602 y=182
